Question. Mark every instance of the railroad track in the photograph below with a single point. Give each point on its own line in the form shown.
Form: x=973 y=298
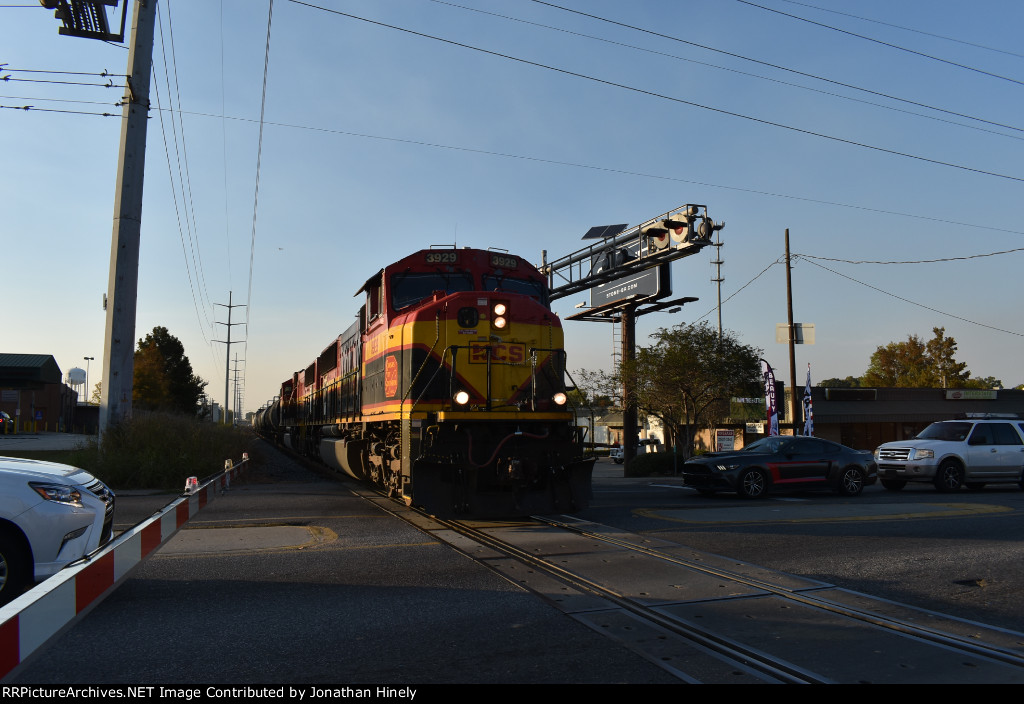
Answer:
x=707 y=618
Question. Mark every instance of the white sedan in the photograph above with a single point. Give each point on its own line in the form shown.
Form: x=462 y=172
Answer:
x=50 y=515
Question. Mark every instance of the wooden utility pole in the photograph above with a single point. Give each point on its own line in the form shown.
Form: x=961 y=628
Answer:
x=123 y=284
x=794 y=407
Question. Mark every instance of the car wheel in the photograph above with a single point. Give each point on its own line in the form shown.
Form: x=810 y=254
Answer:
x=753 y=484
x=851 y=481
x=950 y=476
x=14 y=567
x=893 y=484
x=618 y=461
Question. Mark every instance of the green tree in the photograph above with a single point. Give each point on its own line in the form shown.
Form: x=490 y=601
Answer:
x=917 y=364
x=850 y=382
x=163 y=375
x=686 y=378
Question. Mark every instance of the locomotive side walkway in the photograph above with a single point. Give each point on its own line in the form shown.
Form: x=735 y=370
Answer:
x=289 y=578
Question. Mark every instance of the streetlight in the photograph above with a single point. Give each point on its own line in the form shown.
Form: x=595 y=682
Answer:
x=87 y=360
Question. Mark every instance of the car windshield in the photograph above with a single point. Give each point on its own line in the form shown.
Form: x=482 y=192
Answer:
x=772 y=445
x=954 y=432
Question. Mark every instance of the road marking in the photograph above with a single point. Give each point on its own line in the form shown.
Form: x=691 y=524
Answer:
x=818 y=513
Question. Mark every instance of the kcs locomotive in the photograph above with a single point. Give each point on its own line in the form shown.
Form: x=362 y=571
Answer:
x=448 y=391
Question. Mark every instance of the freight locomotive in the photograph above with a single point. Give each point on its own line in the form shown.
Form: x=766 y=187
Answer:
x=448 y=391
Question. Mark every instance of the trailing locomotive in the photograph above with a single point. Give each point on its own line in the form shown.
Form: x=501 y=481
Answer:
x=448 y=391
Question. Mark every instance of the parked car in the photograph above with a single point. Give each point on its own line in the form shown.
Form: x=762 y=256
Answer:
x=50 y=515
x=6 y=423
x=618 y=454
x=952 y=454
x=782 y=462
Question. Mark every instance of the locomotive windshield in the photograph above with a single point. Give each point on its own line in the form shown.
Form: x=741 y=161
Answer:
x=413 y=287
x=535 y=289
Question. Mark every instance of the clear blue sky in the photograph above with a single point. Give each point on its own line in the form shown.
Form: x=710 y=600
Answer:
x=377 y=142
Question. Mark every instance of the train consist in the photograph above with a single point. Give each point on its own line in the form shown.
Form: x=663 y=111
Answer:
x=448 y=391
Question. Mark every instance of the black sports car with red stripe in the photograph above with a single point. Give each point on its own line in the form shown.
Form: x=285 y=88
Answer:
x=780 y=463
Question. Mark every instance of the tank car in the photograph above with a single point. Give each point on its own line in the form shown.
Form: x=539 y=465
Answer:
x=448 y=391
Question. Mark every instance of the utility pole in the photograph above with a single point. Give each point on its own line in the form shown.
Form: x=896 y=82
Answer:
x=718 y=277
x=794 y=407
x=238 y=391
x=227 y=353
x=123 y=284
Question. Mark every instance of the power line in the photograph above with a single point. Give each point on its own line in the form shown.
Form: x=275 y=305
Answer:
x=915 y=303
x=915 y=261
x=769 y=65
x=653 y=94
x=882 y=43
x=765 y=78
x=907 y=29
x=613 y=170
x=259 y=157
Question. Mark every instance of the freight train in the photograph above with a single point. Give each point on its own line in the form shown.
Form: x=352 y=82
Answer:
x=449 y=391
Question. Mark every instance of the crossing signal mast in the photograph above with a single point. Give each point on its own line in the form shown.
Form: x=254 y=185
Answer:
x=627 y=271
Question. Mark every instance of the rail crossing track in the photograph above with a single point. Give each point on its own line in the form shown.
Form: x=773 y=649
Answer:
x=710 y=619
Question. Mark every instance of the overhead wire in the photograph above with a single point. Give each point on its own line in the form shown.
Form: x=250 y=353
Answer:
x=625 y=172
x=654 y=94
x=256 y=191
x=767 y=78
x=913 y=303
x=186 y=184
x=778 y=67
x=882 y=43
x=906 y=29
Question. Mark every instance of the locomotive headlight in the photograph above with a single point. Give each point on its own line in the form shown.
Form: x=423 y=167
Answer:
x=462 y=398
x=499 y=315
x=559 y=399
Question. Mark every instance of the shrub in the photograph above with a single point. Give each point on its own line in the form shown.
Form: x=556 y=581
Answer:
x=161 y=450
x=155 y=451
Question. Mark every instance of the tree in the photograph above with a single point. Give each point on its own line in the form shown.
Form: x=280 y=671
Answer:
x=687 y=377
x=163 y=375
x=917 y=364
x=850 y=382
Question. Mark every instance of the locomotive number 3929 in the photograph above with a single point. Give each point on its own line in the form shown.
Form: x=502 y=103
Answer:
x=442 y=257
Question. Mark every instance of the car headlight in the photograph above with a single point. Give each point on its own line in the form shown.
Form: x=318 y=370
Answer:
x=61 y=493
x=725 y=467
x=920 y=454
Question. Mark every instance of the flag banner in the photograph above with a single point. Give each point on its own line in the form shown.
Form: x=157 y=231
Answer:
x=769 y=398
x=808 y=406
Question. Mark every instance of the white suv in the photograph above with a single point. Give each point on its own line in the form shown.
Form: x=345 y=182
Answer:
x=955 y=453
x=50 y=515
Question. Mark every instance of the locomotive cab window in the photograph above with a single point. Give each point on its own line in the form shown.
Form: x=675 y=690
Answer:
x=374 y=298
x=412 y=287
x=534 y=289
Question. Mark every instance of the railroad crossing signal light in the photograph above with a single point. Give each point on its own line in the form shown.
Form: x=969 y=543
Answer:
x=659 y=233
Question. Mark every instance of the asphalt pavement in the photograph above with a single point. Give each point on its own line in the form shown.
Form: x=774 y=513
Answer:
x=289 y=577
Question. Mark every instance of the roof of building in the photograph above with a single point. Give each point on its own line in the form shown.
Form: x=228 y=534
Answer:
x=28 y=371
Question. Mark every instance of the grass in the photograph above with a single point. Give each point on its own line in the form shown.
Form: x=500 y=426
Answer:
x=155 y=451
